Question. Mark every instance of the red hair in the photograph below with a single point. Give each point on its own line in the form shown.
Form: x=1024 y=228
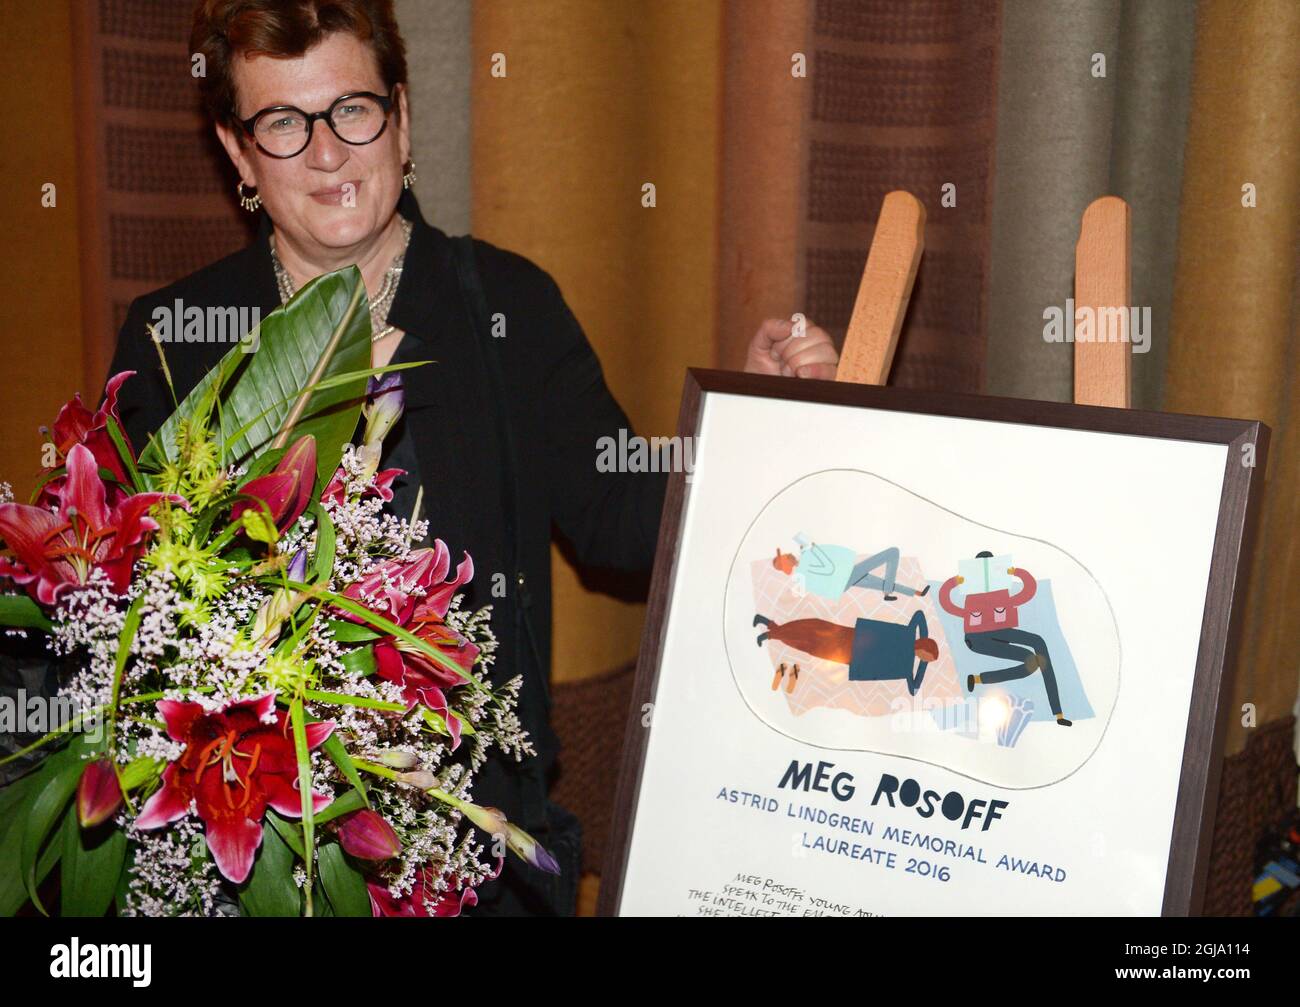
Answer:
x=224 y=29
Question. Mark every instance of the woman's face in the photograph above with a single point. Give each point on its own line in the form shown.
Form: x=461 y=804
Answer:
x=333 y=196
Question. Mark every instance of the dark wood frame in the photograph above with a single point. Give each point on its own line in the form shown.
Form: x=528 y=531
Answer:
x=1220 y=623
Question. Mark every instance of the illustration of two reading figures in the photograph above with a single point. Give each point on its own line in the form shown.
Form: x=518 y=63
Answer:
x=856 y=631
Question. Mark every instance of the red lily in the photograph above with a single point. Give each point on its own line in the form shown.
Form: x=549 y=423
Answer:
x=237 y=761
x=286 y=489
x=415 y=594
x=56 y=552
x=448 y=903
x=78 y=425
x=99 y=794
x=382 y=486
x=367 y=836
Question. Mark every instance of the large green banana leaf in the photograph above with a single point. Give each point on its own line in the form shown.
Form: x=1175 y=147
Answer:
x=322 y=332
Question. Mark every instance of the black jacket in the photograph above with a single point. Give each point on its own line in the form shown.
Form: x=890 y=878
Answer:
x=556 y=406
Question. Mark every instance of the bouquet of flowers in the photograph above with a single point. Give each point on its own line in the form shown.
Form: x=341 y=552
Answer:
x=279 y=702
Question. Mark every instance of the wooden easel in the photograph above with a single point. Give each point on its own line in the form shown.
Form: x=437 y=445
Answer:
x=1101 y=279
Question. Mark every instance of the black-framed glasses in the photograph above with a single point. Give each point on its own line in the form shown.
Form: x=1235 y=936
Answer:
x=285 y=130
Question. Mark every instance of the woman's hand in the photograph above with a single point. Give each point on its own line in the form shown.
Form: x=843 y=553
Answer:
x=778 y=348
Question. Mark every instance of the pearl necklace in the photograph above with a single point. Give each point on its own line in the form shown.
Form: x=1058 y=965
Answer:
x=383 y=301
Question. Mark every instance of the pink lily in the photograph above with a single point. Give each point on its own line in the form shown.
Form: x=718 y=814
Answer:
x=78 y=425
x=56 y=552
x=381 y=486
x=414 y=902
x=395 y=589
x=286 y=489
x=416 y=594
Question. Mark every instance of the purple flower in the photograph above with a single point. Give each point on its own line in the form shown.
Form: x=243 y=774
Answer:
x=386 y=398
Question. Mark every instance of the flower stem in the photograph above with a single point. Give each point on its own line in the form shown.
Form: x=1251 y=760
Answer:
x=392 y=774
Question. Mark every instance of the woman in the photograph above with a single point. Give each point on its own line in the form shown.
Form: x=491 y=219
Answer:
x=309 y=101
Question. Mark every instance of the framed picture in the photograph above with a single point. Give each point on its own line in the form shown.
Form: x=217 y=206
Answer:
x=917 y=653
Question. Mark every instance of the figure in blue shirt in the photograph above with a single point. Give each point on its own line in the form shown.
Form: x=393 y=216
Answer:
x=875 y=651
x=829 y=570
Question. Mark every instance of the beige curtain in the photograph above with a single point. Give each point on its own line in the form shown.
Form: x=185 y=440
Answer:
x=1233 y=350
x=598 y=101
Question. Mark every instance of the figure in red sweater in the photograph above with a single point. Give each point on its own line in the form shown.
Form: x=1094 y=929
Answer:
x=992 y=626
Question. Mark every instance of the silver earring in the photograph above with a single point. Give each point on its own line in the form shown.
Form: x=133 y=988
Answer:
x=408 y=176
x=249 y=203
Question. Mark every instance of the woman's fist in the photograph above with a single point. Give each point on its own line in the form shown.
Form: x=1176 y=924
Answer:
x=792 y=349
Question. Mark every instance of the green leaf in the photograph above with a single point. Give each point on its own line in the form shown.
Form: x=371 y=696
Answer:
x=124 y=641
x=118 y=437
x=344 y=884
x=338 y=753
x=238 y=555
x=19 y=610
x=156 y=454
x=263 y=463
x=257 y=526
x=344 y=699
x=48 y=859
x=360 y=660
x=92 y=863
x=289 y=832
x=162 y=442
x=15 y=802
x=270 y=889
x=321 y=902
x=140 y=771
x=124 y=881
x=56 y=790
x=296 y=716
x=325 y=542
x=340 y=806
x=439 y=723
x=335 y=381
x=323 y=332
x=204 y=522
x=302 y=626
x=351 y=632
